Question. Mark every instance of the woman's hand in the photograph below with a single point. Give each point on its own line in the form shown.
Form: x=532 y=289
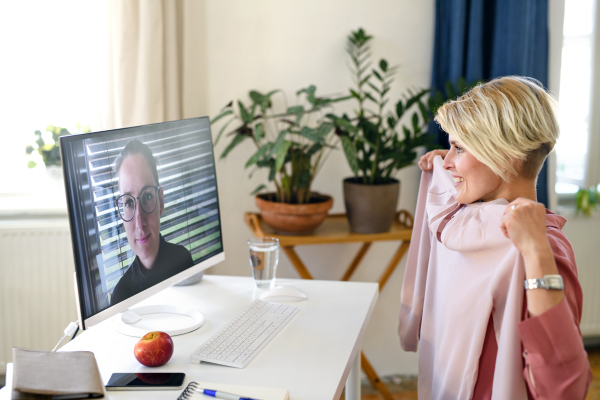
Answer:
x=524 y=223
x=426 y=162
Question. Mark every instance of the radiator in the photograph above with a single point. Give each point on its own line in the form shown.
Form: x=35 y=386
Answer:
x=37 y=299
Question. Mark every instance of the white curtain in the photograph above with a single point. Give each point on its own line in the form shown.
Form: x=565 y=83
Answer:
x=145 y=62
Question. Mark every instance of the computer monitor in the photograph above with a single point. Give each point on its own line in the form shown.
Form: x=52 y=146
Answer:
x=144 y=215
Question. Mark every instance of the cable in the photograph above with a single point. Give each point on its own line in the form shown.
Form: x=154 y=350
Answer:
x=72 y=327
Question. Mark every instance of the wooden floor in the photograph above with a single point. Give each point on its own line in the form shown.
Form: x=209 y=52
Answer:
x=407 y=390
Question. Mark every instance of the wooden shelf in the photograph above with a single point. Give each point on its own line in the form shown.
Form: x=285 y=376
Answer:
x=335 y=229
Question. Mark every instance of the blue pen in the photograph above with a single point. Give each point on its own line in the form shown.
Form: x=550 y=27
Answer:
x=222 y=395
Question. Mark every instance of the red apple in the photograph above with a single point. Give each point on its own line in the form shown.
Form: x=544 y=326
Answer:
x=154 y=349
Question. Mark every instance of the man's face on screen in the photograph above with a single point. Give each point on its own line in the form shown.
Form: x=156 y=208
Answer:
x=143 y=231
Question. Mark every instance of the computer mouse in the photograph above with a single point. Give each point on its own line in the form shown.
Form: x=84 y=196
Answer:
x=283 y=293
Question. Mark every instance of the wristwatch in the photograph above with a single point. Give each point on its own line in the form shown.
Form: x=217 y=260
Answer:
x=549 y=282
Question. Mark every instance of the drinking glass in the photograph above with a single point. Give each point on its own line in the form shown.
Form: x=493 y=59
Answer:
x=264 y=256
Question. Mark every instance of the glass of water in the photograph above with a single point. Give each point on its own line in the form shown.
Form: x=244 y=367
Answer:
x=264 y=256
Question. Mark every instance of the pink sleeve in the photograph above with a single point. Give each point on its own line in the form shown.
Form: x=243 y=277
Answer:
x=553 y=348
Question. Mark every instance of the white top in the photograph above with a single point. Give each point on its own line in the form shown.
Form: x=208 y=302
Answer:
x=311 y=356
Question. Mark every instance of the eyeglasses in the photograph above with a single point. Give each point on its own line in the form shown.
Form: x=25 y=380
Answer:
x=126 y=204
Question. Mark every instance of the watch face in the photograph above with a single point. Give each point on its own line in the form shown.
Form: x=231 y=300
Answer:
x=553 y=282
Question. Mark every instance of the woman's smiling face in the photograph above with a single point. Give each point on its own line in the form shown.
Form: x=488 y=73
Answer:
x=474 y=180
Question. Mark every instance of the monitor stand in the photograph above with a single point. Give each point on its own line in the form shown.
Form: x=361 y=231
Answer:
x=132 y=322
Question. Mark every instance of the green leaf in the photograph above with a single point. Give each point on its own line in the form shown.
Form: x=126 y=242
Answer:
x=365 y=79
x=281 y=153
x=375 y=88
x=31 y=164
x=377 y=75
x=415 y=121
x=439 y=99
x=223 y=114
x=391 y=122
x=246 y=116
x=355 y=95
x=298 y=111
x=256 y=97
x=324 y=129
x=450 y=90
x=259 y=154
x=383 y=65
x=399 y=109
x=310 y=134
x=236 y=140
x=272 y=170
x=310 y=93
x=314 y=149
x=461 y=85
x=344 y=124
x=222 y=130
x=351 y=155
x=278 y=142
x=424 y=112
x=259 y=132
x=258 y=189
x=370 y=97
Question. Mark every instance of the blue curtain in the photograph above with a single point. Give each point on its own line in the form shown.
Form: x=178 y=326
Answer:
x=485 y=39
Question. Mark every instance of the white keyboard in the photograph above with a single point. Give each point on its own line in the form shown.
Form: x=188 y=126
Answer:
x=243 y=338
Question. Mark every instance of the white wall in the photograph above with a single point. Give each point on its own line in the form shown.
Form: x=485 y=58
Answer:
x=270 y=44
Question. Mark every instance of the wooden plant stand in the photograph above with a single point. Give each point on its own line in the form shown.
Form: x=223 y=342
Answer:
x=335 y=229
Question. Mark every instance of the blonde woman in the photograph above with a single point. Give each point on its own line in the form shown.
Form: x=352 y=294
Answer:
x=490 y=295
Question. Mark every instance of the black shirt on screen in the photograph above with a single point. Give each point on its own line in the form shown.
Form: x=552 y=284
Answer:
x=171 y=260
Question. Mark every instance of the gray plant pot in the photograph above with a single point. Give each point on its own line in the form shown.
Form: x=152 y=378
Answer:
x=370 y=208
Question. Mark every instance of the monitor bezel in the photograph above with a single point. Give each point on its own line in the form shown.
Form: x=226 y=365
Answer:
x=145 y=294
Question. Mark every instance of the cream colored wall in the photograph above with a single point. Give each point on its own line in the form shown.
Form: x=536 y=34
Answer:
x=269 y=44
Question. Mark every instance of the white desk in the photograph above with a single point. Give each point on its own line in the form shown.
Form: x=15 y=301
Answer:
x=312 y=357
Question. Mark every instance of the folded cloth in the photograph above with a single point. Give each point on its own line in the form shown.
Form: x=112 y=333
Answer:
x=56 y=373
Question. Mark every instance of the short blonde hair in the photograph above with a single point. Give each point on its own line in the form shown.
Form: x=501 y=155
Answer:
x=509 y=124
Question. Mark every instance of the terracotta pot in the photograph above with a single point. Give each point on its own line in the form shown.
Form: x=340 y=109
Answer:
x=295 y=219
x=370 y=208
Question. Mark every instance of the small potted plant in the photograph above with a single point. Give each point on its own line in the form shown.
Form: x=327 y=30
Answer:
x=587 y=200
x=50 y=152
x=371 y=140
x=291 y=145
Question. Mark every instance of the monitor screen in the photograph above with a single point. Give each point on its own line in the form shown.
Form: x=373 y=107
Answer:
x=143 y=209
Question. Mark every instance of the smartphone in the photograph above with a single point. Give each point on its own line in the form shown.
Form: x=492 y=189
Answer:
x=146 y=381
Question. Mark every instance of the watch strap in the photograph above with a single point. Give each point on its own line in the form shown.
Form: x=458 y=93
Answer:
x=549 y=282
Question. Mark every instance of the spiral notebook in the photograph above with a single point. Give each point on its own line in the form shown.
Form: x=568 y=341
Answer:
x=255 y=392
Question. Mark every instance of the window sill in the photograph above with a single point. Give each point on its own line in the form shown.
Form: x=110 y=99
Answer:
x=32 y=206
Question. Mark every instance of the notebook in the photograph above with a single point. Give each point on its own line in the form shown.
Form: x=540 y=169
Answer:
x=62 y=375
x=255 y=392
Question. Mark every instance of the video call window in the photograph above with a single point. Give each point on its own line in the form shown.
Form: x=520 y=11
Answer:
x=190 y=221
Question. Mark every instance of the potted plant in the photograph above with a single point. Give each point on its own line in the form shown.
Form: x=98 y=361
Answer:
x=50 y=152
x=371 y=139
x=292 y=145
x=587 y=200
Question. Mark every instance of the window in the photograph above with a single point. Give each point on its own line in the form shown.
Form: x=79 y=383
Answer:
x=52 y=57
x=574 y=150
